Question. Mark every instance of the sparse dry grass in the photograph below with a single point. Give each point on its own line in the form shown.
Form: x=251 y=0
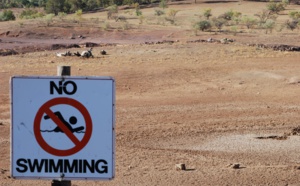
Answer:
x=187 y=14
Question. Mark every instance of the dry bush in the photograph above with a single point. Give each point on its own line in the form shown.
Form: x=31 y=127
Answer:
x=171 y=16
x=249 y=22
x=218 y=23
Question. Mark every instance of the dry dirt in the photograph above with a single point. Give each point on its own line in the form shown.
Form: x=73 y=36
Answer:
x=207 y=105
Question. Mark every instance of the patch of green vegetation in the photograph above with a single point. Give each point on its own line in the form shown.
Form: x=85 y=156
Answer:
x=7 y=15
x=30 y=14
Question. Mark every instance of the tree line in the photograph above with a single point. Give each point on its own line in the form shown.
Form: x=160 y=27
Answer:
x=67 y=6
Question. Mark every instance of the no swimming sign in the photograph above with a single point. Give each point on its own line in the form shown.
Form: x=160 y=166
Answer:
x=63 y=126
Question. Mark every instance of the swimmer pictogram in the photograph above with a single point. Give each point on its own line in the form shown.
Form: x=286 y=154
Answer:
x=72 y=121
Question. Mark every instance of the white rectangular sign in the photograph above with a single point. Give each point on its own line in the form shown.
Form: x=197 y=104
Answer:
x=62 y=127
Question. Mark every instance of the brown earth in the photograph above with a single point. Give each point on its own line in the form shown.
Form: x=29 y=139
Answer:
x=207 y=105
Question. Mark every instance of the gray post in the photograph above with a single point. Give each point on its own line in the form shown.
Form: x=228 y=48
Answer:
x=62 y=71
x=61 y=183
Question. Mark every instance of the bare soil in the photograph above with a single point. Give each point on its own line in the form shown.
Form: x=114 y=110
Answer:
x=206 y=105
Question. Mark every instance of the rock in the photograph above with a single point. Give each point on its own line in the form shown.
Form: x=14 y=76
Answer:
x=234 y=165
x=81 y=37
x=297 y=167
x=296 y=131
x=180 y=166
x=226 y=41
x=90 y=44
x=294 y=80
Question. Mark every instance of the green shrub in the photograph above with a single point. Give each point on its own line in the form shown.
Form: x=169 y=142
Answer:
x=234 y=30
x=207 y=13
x=171 y=15
x=111 y=10
x=285 y=2
x=106 y=26
x=249 y=21
x=163 y=4
x=269 y=25
x=137 y=8
x=141 y=19
x=227 y=15
x=62 y=15
x=78 y=13
x=219 y=22
x=125 y=25
x=128 y=2
x=265 y=15
x=30 y=14
x=275 y=8
x=294 y=15
x=231 y=16
x=79 y=17
x=291 y=24
x=48 y=18
x=159 y=12
x=7 y=15
x=138 y=12
x=203 y=25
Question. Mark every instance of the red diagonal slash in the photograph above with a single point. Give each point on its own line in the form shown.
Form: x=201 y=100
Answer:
x=62 y=126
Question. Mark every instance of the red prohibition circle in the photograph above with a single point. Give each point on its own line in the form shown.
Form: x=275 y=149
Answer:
x=45 y=108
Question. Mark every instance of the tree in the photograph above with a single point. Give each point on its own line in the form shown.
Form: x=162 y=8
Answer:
x=91 y=4
x=103 y=3
x=55 y=6
x=76 y=5
x=163 y=4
